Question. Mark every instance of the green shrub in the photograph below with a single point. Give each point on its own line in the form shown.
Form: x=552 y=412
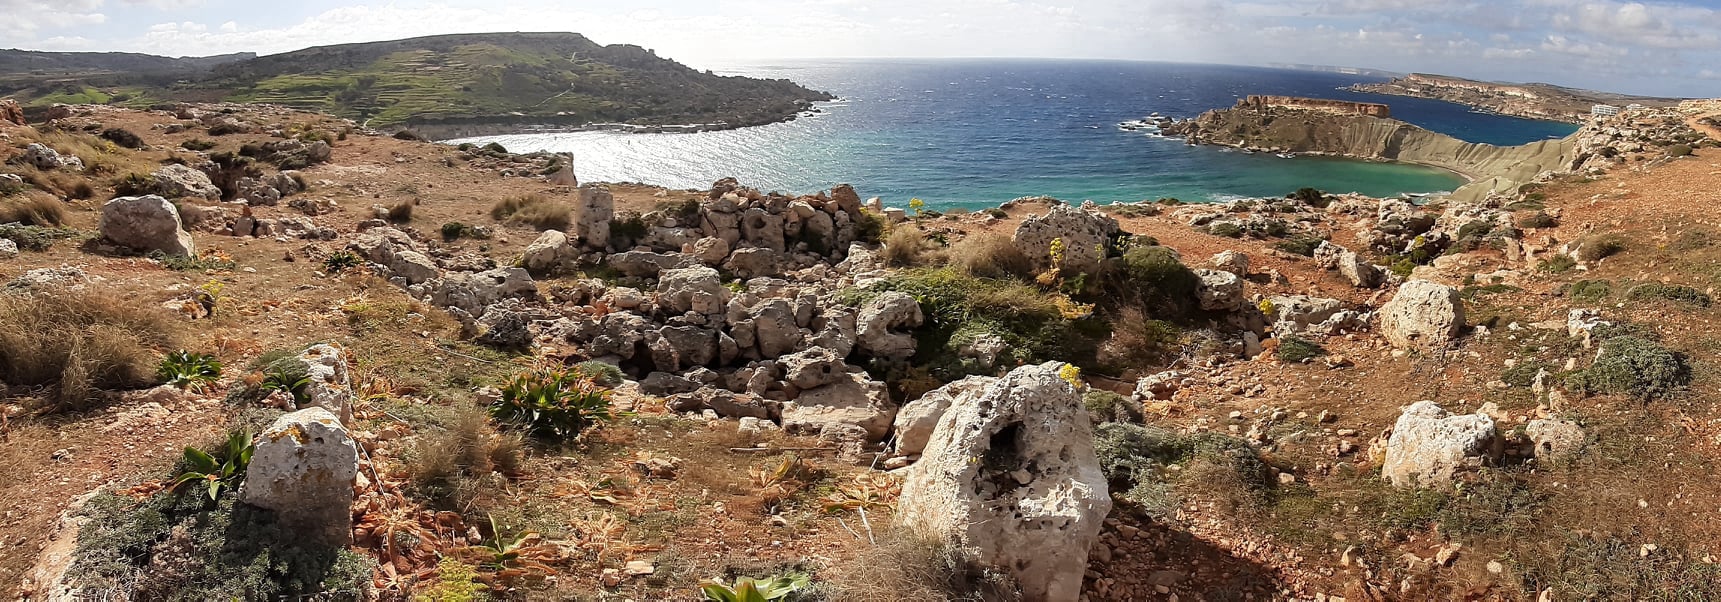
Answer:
x=1589 y=290
x=401 y=212
x=602 y=373
x=1668 y=292
x=1596 y=247
x=34 y=238
x=1301 y=245
x=1296 y=350
x=1634 y=366
x=1312 y=197
x=452 y=230
x=1558 y=264
x=1106 y=406
x=959 y=307
x=188 y=370
x=1135 y=459
x=1539 y=219
x=495 y=147
x=125 y=138
x=221 y=471
x=746 y=589
x=197 y=144
x=135 y=184
x=1679 y=150
x=1226 y=229
x=341 y=261
x=1153 y=279
x=552 y=403
x=1523 y=373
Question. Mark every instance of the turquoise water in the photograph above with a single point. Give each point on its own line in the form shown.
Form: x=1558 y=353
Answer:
x=971 y=133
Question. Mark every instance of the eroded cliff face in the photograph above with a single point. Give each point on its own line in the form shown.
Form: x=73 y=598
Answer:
x=1532 y=101
x=1281 y=128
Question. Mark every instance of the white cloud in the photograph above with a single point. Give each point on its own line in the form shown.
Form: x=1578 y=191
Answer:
x=165 y=5
x=28 y=16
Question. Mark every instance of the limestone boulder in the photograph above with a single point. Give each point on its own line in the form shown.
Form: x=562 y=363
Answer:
x=812 y=368
x=881 y=327
x=917 y=419
x=1555 y=440
x=1429 y=447
x=1009 y=476
x=1218 y=290
x=755 y=262
x=473 y=292
x=304 y=468
x=709 y=250
x=762 y=228
x=41 y=157
x=697 y=289
x=1231 y=261
x=146 y=223
x=8 y=249
x=1422 y=314
x=548 y=253
x=1359 y=271
x=593 y=213
x=852 y=400
x=646 y=264
x=179 y=181
x=774 y=330
x=1084 y=236
x=677 y=348
x=330 y=387
x=10 y=112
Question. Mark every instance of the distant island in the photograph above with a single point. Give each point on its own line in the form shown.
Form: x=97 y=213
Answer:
x=440 y=86
x=1533 y=101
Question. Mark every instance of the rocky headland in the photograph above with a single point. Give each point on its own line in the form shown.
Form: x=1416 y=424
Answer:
x=417 y=371
x=1325 y=127
x=1531 y=101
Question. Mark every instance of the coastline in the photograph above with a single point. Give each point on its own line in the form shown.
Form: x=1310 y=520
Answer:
x=520 y=125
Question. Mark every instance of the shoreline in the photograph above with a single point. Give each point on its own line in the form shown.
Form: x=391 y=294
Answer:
x=446 y=133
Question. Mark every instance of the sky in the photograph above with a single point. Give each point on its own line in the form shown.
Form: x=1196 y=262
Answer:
x=1658 y=48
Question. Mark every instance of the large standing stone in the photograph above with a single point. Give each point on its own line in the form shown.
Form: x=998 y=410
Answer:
x=917 y=419
x=1428 y=446
x=146 y=223
x=879 y=321
x=774 y=329
x=330 y=387
x=1085 y=237
x=304 y=468
x=762 y=228
x=812 y=368
x=177 y=181
x=10 y=112
x=1010 y=477
x=1422 y=314
x=592 y=216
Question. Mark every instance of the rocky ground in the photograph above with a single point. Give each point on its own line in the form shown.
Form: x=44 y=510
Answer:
x=1312 y=397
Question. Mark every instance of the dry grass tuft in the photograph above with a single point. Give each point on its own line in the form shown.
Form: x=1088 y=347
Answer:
x=534 y=210
x=990 y=256
x=906 y=247
x=905 y=566
x=32 y=209
x=456 y=467
x=81 y=341
x=401 y=212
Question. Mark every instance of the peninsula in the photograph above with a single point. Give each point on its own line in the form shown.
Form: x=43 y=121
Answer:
x=1532 y=101
x=438 y=86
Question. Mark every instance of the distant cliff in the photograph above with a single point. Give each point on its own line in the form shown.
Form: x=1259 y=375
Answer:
x=1318 y=126
x=1533 y=101
x=1337 y=107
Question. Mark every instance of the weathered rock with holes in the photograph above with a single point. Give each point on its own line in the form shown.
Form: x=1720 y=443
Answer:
x=8 y=249
x=304 y=469
x=1084 y=237
x=328 y=384
x=812 y=368
x=1429 y=447
x=917 y=419
x=146 y=223
x=1231 y=261
x=41 y=157
x=698 y=289
x=774 y=330
x=852 y=399
x=1218 y=290
x=755 y=262
x=647 y=264
x=677 y=348
x=1555 y=440
x=1422 y=314
x=709 y=250
x=762 y=228
x=593 y=213
x=883 y=324
x=473 y=292
x=1010 y=477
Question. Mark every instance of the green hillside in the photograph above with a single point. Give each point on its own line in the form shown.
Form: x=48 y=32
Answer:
x=555 y=78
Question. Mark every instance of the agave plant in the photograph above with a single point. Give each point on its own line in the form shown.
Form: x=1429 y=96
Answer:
x=551 y=402
x=746 y=589
x=219 y=474
x=188 y=370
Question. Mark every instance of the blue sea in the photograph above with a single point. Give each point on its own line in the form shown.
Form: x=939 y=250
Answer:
x=973 y=133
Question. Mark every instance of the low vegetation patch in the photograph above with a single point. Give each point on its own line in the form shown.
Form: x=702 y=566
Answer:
x=1105 y=406
x=533 y=210
x=1138 y=461
x=906 y=247
x=1301 y=244
x=990 y=256
x=1589 y=290
x=80 y=342
x=457 y=468
x=1539 y=219
x=1600 y=246
x=32 y=210
x=1633 y=366
x=1655 y=291
x=1558 y=264
x=34 y=238
x=401 y=212
x=1297 y=350
x=552 y=403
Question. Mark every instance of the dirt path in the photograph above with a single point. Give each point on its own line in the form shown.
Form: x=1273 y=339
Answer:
x=1696 y=123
